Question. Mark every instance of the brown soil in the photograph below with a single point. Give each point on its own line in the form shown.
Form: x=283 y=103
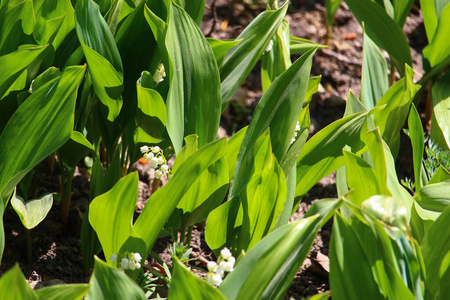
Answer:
x=57 y=255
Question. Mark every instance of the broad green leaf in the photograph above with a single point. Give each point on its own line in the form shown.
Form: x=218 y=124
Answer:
x=111 y=214
x=440 y=175
x=430 y=18
x=300 y=45
x=109 y=284
x=362 y=178
x=439 y=49
x=434 y=196
x=32 y=212
x=394 y=265
x=14 y=286
x=206 y=193
x=267 y=270
x=195 y=9
x=278 y=59
x=389 y=210
x=279 y=109
x=220 y=48
x=322 y=154
x=48 y=75
x=401 y=11
x=313 y=87
x=444 y=274
x=17 y=19
x=40 y=126
x=151 y=114
x=64 y=291
x=193 y=101
x=382 y=30
x=103 y=58
x=233 y=145
x=161 y=204
x=441 y=107
x=264 y=201
x=75 y=149
x=186 y=285
x=14 y=67
x=241 y=59
x=397 y=100
x=350 y=268
x=435 y=246
x=417 y=141
x=374 y=81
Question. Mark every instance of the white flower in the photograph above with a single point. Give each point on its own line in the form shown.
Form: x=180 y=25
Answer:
x=154 y=162
x=269 y=47
x=225 y=253
x=148 y=156
x=144 y=149
x=138 y=265
x=124 y=263
x=232 y=260
x=137 y=257
x=156 y=149
x=158 y=174
x=113 y=257
x=160 y=73
x=211 y=266
x=214 y=279
x=226 y=266
x=297 y=127
x=132 y=266
x=160 y=160
x=164 y=168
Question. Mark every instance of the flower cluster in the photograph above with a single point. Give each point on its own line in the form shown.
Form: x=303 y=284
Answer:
x=129 y=260
x=270 y=46
x=160 y=73
x=297 y=130
x=216 y=271
x=157 y=160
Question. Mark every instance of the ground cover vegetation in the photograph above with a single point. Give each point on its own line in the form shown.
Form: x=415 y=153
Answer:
x=109 y=83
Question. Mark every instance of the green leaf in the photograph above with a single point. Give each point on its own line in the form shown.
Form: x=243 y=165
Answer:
x=382 y=30
x=350 y=268
x=362 y=178
x=233 y=145
x=434 y=196
x=195 y=9
x=435 y=246
x=103 y=58
x=185 y=285
x=63 y=291
x=41 y=125
x=32 y=212
x=430 y=18
x=331 y=7
x=48 y=12
x=279 y=109
x=162 y=203
x=322 y=154
x=441 y=106
x=110 y=284
x=14 y=68
x=417 y=141
x=111 y=213
x=268 y=269
x=14 y=286
x=193 y=102
x=389 y=210
x=16 y=20
x=241 y=59
x=374 y=81
x=299 y=45
x=397 y=100
x=401 y=11
x=151 y=115
x=220 y=48
x=75 y=149
x=439 y=49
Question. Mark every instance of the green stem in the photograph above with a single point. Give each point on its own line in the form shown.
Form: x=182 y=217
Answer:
x=189 y=235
